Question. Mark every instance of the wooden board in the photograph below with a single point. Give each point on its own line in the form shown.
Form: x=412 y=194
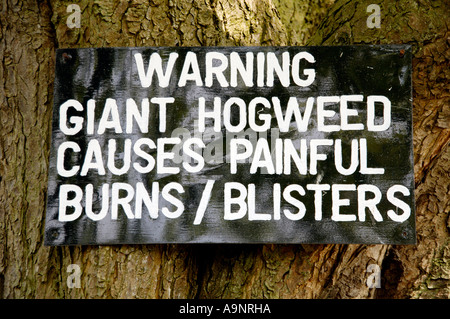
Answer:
x=232 y=145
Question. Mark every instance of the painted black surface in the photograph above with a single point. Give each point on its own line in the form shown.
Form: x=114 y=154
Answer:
x=102 y=73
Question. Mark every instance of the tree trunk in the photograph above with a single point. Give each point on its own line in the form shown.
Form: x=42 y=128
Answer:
x=30 y=32
x=423 y=270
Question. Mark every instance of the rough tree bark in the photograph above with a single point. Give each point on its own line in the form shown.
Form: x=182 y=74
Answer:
x=301 y=18
x=29 y=33
x=423 y=270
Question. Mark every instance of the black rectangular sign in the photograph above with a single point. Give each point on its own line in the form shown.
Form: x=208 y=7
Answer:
x=232 y=145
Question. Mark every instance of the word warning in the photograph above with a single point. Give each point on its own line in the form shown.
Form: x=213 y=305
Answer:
x=232 y=145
